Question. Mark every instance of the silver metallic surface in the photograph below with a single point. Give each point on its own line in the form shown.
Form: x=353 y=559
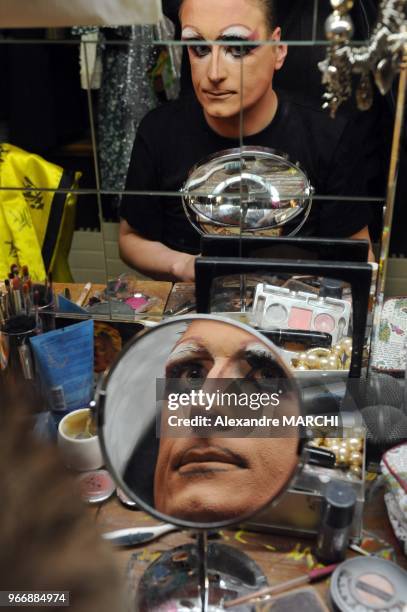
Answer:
x=252 y=189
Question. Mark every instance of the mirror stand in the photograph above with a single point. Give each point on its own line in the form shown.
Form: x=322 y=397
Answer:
x=202 y=543
x=214 y=471
x=199 y=577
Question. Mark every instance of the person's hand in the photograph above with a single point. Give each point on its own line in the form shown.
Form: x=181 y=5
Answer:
x=184 y=267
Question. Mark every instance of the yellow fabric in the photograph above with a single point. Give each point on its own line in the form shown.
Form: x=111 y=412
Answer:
x=24 y=214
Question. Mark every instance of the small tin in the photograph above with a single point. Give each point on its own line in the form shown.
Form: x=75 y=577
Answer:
x=96 y=486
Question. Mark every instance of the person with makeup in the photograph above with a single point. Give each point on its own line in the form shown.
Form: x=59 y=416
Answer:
x=233 y=86
x=220 y=478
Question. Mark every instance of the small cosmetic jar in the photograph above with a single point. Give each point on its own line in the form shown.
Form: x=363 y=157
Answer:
x=78 y=441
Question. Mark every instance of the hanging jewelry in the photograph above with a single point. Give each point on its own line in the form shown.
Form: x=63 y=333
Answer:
x=382 y=55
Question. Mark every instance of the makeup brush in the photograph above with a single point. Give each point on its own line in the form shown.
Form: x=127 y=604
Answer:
x=16 y=293
x=312 y=576
x=26 y=278
x=36 y=298
x=8 y=305
x=26 y=298
x=49 y=295
x=2 y=309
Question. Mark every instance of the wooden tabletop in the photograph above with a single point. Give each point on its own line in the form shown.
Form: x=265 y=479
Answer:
x=280 y=557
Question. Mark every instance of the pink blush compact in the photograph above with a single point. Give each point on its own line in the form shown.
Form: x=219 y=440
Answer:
x=300 y=318
x=138 y=302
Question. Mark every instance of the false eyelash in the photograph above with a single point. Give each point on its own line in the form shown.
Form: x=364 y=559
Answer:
x=258 y=361
x=233 y=38
x=239 y=39
x=234 y=50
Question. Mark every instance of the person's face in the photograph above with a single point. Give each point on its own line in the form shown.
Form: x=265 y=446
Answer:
x=228 y=78
x=217 y=479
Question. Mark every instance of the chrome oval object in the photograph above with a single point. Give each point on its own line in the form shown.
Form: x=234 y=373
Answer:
x=248 y=190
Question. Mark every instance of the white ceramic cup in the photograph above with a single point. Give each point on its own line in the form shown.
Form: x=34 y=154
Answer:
x=79 y=454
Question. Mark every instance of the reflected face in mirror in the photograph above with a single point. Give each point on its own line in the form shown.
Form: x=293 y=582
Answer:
x=217 y=70
x=221 y=478
x=211 y=349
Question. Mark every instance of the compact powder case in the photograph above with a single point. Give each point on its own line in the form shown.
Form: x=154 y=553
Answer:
x=96 y=486
x=278 y=307
x=369 y=584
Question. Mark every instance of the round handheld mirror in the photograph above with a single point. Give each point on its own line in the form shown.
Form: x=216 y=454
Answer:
x=249 y=190
x=191 y=425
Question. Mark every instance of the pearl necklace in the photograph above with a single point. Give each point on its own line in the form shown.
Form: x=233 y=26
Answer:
x=336 y=358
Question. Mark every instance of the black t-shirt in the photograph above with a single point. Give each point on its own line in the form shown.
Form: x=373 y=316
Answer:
x=336 y=154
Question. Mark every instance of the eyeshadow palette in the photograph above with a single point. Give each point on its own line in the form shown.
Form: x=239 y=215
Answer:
x=278 y=307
